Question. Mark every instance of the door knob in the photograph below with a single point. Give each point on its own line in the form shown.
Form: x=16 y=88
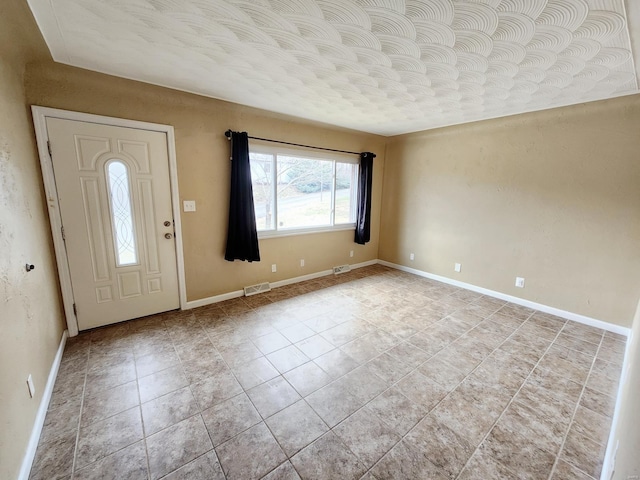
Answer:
x=168 y=236
x=167 y=223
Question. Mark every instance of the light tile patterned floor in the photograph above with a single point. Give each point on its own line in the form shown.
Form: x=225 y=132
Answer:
x=374 y=374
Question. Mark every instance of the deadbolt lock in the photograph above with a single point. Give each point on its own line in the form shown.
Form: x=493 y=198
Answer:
x=168 y=236
x=167 y=223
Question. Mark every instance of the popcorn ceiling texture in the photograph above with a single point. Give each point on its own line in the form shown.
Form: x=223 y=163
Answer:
x=381 y=66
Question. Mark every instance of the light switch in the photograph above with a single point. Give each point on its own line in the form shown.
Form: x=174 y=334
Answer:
x=189 y=205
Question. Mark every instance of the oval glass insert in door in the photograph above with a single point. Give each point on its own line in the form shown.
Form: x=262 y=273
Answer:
x=121 y=214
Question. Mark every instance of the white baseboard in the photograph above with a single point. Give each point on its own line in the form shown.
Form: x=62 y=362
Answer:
x=302 y=278
x=322 y=273
x=30 y=454
x=592 y=322
x=608 y=464
x=610 y=327
x=214 y=299
x=368 y=263
x=280 y=283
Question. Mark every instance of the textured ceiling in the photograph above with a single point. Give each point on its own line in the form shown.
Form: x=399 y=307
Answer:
x=381 y=66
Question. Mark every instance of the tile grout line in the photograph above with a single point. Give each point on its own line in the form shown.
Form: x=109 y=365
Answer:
x=303 y=399
x=330 y=429
x=146 y=447
x=512 y=397
x=402 y=437
x=200 y=410
x=377 y=328
x=139 y=406
x=84 y=389
x=138 y=384
x=144 y=432
x=575 y=410
x=244 y=391
x=263 y=419
x=83 y=395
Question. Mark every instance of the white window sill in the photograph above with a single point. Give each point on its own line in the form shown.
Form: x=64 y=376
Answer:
x=304 y=231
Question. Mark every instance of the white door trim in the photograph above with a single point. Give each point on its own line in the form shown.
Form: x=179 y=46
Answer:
x=40 y=114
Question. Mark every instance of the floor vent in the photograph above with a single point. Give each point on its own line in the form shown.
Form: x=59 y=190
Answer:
x=259 y=288
x=341 y=269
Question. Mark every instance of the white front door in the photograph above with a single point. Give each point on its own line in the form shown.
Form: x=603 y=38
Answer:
x=115 y=202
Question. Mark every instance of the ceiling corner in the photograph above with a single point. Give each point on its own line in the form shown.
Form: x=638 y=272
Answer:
x=633 y=24
x=45 y=17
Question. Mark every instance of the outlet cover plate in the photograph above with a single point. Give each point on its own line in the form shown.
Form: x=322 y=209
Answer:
x=189 y=205
x=519 y=282
x=457 y=267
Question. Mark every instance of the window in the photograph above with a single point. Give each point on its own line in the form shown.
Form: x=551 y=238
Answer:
x=295 y=191
x=120 y=202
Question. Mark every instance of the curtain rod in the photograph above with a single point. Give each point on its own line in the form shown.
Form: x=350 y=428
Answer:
x=229 y=132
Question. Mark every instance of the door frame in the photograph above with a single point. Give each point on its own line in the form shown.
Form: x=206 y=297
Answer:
x=40 y=115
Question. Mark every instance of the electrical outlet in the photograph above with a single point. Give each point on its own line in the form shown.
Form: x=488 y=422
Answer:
x=519 y=282
x=457 y=267
x=189 y=205
x=274 y=269
x=412 y=256
x=351 y=253
x=302 y=262
x=32 y=388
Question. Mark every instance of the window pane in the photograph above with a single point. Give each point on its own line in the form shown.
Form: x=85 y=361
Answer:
x=120 y=196
x=346 y=186
x=304 y=192
x=262 y=180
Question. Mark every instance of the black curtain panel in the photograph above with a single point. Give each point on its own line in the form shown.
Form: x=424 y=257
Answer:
x=363 y=217
x=242 y=236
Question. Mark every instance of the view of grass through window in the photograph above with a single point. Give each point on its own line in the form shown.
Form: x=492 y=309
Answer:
x=310 y=192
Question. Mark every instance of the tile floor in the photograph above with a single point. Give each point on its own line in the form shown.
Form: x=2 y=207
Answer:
x=375 y=374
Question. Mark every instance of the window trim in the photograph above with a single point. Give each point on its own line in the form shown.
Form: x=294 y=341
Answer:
x=256 y=146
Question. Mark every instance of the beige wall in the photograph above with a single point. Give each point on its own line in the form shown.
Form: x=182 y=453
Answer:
x=204 y=168
x=626 y=429
x=31 y=322
x=552 y=196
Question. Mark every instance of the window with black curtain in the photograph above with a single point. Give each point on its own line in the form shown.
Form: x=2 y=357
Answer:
x=363 y=215
x=242 y=236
